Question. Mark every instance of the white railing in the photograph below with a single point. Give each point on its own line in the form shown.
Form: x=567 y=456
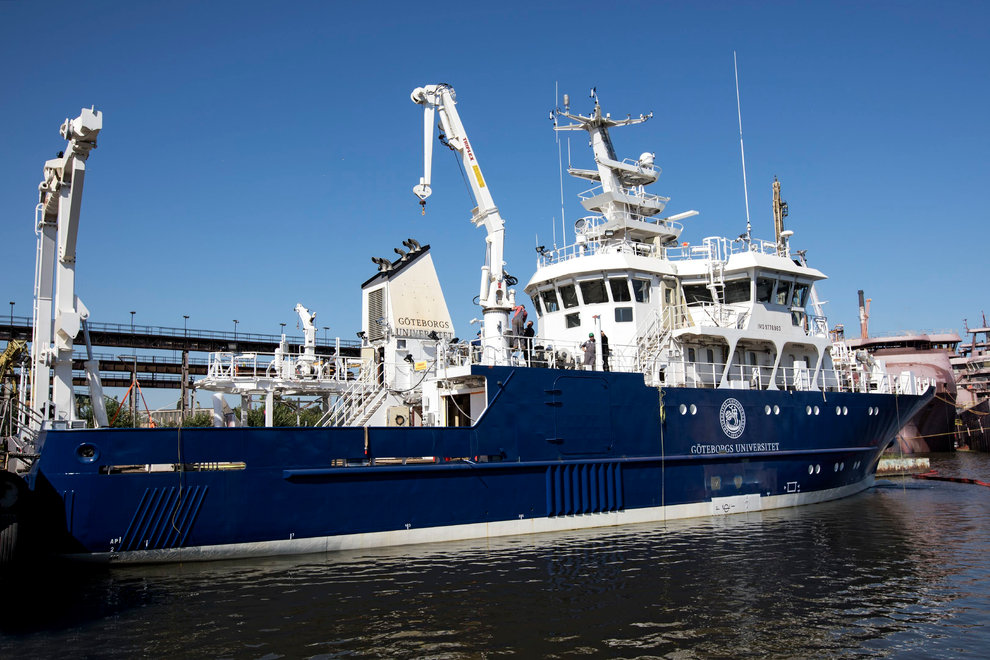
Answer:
x=714 y=248
x=636 y=193
x=254 y=366
x=362 y=393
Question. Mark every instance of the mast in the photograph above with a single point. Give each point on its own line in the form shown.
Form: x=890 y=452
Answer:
x=627 y=209
x=779 y=213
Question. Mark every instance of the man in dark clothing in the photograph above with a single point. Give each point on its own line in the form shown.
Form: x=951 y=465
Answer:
x=605 y=352
x=528 y=335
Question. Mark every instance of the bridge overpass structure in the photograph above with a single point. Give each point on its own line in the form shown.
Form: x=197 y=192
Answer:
x=163 y=357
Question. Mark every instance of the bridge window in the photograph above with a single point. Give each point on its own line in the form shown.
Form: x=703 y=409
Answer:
x=536 y=304
x=593 y=292
x=550 y=300
x=764 y=289
x=620 y=289
x=641 y=290
x=623 y=314
x=697 y=293
x=737 y=291
x=569 y=296
x=800 y=295
x=573 y=320
x=783 y=292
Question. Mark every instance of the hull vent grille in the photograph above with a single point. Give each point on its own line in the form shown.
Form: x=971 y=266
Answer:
x=584 y=488
x=163 y=518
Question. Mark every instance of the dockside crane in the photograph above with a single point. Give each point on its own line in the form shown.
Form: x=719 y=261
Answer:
x=495 y=297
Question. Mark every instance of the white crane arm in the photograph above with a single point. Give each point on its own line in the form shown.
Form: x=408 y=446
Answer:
x=495 y=298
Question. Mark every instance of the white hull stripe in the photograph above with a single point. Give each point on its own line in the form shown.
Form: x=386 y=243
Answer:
x=325 y=544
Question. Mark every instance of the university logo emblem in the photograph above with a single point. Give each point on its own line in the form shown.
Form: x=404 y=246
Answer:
x=732 y=417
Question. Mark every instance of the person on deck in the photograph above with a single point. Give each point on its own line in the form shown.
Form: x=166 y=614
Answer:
x=518 y=324
x=589 y=351
x=605 y=352
x=528 y=335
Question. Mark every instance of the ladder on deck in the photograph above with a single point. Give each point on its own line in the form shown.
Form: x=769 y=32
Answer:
x=358 y=403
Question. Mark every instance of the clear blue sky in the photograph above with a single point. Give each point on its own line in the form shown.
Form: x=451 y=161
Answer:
x=257 y=154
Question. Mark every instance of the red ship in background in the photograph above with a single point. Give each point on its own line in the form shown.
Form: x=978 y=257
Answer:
x=927 y=355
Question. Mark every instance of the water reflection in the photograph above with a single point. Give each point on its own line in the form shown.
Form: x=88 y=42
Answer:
x=898 y=570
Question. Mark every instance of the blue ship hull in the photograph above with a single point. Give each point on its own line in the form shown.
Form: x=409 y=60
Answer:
x=554 y=450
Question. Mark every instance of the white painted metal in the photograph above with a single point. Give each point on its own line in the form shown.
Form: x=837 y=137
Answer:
x=495 y=297
x=60 y=200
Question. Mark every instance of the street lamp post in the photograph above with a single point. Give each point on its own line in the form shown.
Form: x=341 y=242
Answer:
x=183 y=405
x=133 y=374
x=326 y=340
x=235 y=329
x=11 y=319
x=283 y=328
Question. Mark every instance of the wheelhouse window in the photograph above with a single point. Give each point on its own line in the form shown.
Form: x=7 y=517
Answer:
x=697 y=293
x=783 y=292
x=641 y=290
x=800 y=296
x=620 y=289
x=737 y=291
x=593 y=292
x=573 y=320
x=549 y=298
x=569 y=296
x=623 y=315
x=536 y=304
x=764 y=289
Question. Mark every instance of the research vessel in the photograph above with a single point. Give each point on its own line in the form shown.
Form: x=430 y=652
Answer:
x=718 y=393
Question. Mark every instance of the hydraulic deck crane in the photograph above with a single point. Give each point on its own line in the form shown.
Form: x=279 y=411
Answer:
x=495 y=298
x=57 y=225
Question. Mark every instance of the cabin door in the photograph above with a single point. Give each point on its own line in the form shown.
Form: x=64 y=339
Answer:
x=458 y=409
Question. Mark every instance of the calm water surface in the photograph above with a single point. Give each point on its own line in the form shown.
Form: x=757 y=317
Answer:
x=898 y=571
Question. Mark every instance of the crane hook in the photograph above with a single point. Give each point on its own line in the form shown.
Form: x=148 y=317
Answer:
x=422 y=203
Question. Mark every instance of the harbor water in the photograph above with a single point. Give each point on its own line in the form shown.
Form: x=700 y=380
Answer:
x=900 y=570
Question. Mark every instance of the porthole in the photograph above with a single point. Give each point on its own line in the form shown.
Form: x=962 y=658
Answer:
x=87 y=453
x=737 y=481
x=845 y=410
x=776 y=410
x=808 y=410
x=818 y=469
x=838 y=410
x=694 y=409
x=766 y=409
x=842 y=466
x=817 y=410
x=811 y=469
x=683 y=409
x=835 y=468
